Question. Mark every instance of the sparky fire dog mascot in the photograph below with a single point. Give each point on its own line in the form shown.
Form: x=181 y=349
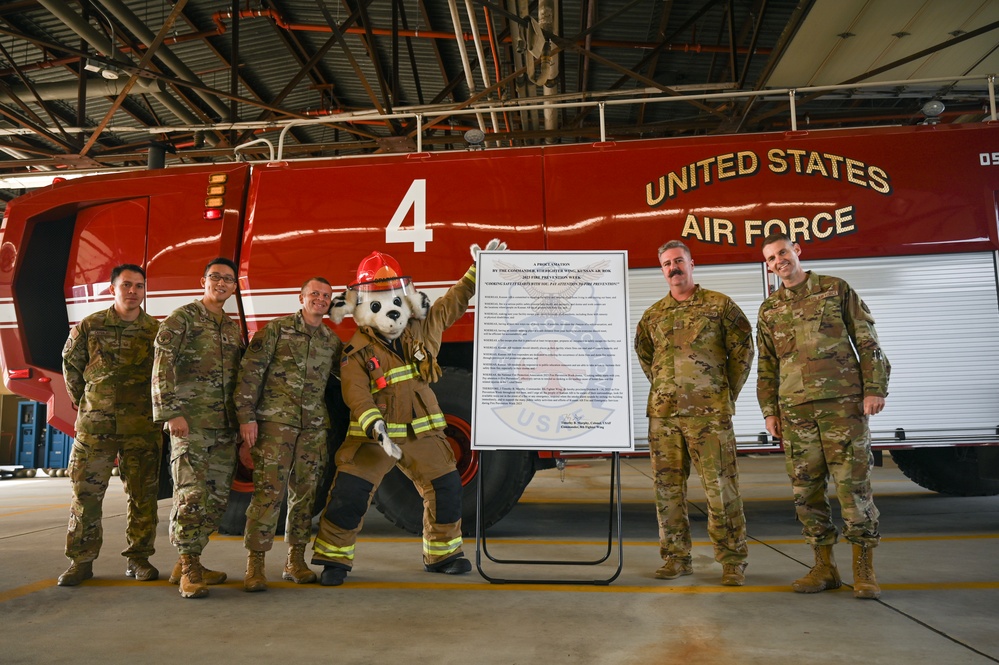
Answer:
x=386 y=372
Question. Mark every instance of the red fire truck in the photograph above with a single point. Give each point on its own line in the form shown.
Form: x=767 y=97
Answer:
x=908 y=215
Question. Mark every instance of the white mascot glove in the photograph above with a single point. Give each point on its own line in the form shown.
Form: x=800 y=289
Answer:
x=493 y=245
x=381 y=433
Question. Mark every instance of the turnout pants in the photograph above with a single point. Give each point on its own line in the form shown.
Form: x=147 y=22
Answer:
x=427 y=460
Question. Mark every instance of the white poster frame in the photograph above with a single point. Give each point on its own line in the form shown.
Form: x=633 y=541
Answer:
x=563 y=315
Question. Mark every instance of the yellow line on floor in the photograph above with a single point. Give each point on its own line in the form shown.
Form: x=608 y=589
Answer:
x=469 y=542
x=648 y=500
x=663 y=589
x=484 y=585
x=39 y=509
x=11 y=594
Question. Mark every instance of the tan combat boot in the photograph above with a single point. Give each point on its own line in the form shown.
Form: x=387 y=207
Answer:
x=76 y=573
x=295 y=569
x=865 y=585
x=733 y=574
x=823 y=574
x=141 y=570
x=255 y=579
x=192 y=585
x=674 y=567
x=210 y=577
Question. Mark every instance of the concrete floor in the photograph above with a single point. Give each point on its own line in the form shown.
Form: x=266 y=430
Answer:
x=937 y=564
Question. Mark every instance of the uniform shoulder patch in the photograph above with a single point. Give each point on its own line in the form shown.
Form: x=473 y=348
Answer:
x=74 y=334
x=164 y=337
x=256 y=345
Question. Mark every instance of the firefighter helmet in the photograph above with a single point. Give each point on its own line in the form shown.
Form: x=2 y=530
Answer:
x=380 y=272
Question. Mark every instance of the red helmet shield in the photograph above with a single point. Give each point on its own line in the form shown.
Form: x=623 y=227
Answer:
x=380 y=272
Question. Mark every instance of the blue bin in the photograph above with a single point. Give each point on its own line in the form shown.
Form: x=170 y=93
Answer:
x=58 y=446
x=29 y=446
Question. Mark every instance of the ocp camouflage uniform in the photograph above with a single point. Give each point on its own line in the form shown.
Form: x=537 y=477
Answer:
x=194 y=376
x=810 y=376
x=107 y=363
x=281 y=386
x=697 y=355
x=414 y=421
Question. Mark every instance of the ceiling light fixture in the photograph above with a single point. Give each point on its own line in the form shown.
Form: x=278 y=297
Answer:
x=932 y=110
x=475 y=138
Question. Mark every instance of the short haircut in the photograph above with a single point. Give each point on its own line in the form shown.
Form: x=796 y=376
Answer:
x=673 y=244
x=118 y=270
x=220 y=261
x=776 y=236
x=321 y=280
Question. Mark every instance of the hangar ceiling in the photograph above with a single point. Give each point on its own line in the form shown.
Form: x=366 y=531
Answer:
x=98 y=84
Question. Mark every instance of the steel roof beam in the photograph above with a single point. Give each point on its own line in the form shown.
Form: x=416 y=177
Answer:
x=146 y=58
x=309 y=65
x=339 y=40
x=368 y=40
x=653 y=63
x=164 y=54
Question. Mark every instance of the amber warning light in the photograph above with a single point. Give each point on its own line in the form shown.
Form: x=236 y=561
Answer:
x=215 y=200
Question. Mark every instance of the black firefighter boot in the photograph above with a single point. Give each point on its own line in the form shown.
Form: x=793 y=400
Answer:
x=456 y=565
x=332 y=575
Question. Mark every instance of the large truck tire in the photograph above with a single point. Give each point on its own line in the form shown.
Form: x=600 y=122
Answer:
x=955 y=470
x=507 y=472
x=233 y=521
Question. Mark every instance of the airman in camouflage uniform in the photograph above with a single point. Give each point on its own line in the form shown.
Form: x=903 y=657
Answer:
x=696 y=348
x=817 y=395
x=280 y=403
x=107 y=363
x=194 y=375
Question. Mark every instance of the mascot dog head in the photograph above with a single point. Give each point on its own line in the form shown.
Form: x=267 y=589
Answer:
x=381 y=298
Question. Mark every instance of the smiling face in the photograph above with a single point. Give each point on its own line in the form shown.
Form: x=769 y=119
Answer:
x=315 y=298
x=781 y=257
x=219 y=284
x=129 y=291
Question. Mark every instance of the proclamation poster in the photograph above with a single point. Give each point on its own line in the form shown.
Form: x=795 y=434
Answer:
x=552 y=355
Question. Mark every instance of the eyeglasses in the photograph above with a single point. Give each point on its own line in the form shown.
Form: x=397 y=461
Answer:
x=218 y=277
x=319 y=294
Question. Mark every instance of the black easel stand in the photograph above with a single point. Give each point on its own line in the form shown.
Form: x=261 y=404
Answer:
x=615 y=509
